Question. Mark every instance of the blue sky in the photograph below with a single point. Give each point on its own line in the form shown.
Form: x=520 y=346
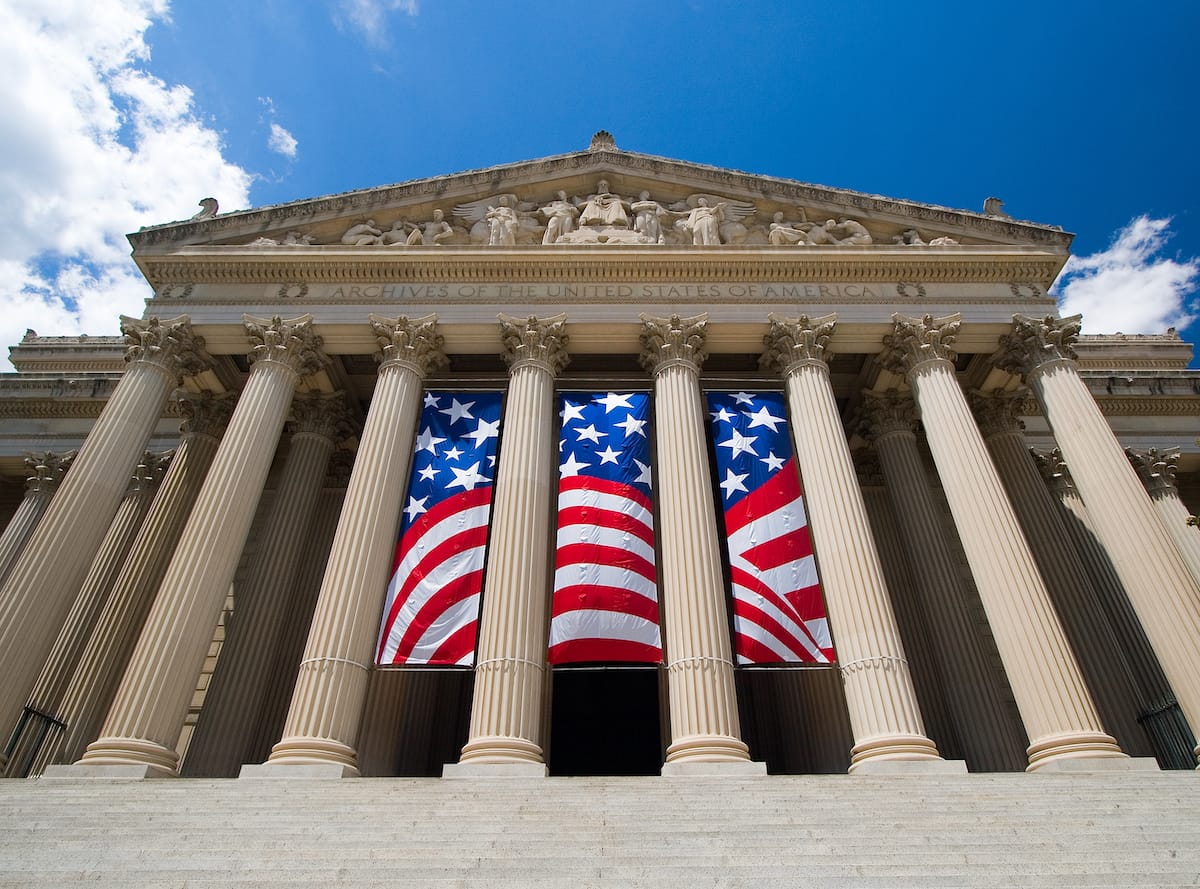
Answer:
x=120 y=114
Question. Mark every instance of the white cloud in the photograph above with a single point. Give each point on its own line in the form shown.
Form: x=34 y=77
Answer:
x=282 y=141
x=1130 y=287
x=370 y=16
x=91 y=146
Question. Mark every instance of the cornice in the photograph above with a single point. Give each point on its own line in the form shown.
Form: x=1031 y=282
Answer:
x=1149 y=407
x=337 y=264
x=62 y=408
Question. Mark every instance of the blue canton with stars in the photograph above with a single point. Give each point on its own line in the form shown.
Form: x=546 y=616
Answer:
x=605 y=436
x=750 y=437
x=455 y=449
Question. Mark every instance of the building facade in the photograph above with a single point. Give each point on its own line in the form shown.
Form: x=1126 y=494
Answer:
x=1001 y=575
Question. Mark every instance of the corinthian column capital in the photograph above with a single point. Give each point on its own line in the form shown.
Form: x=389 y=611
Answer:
x=792 y=341
x=886 y=413
x=205 y=414
x=325 y=415
x=533 y=340
x=674 y=340
x=149 y=471
x=291 y=343
x=46 y=470
x=172 y=345
x=1001 y=412
x=1036 y=342
x=916 y=341
x=1156 y=467
x=1054 y=470
x=414 y=343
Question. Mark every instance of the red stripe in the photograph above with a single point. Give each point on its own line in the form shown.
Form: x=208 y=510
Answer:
x=593 y=516
x=457 y=645
x=427 y=520
x=583 y=650
x=783 y=487
x=617 y=489
x=604 y=598
x=598 y=554
x=780 y=550
x=807 y=602
x=751 y=614
x=459 y=588
x=755 y=586
x=755 y=652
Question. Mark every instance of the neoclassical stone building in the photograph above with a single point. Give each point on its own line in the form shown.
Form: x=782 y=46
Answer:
x=202 y=515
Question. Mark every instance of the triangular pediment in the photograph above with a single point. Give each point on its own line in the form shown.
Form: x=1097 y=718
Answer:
x=602 y=196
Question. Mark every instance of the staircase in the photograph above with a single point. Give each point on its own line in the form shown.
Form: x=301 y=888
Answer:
x=1122 y=829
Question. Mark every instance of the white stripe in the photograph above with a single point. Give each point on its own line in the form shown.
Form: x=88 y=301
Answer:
x=789 y=620
x=746 y=627
x=819 y=627
x=605 y=575
x=797 y=574
x=787 y=518
x=465 y=562
x=602 y=535
x=602 y=500
x=447 y=624
x=584 y=623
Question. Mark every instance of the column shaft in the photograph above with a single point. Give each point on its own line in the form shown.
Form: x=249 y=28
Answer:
x=47 y=471
x=1156 y=468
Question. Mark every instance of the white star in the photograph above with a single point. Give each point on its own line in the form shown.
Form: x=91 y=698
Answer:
x=612 y=400
x=485 y=430
x=742 y=397
x=773 y=463
x=722 y=415
x=571 y=412
x=591 y=433
x=762 y=417
x=740 y=444
x=458 y=411
x=427 y=473
x=415 y=507
x=452 y=453
x=632 y=426
x=572 y=466
x=644 y=472
x=492 y=460
x=467 y=478
x=431 y=400
x=733 y=483
x=426 y=441
x=608 y=455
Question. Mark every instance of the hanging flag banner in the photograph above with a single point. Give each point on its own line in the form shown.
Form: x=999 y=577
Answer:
x=778 y=611
x=432 y=610
x=605 y=605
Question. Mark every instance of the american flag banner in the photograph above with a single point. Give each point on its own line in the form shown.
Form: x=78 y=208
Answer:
x=432 y=610
x=778 y=612
x=605 y=605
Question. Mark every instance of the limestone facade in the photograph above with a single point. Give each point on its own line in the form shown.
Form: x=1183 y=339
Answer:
x=970 y=600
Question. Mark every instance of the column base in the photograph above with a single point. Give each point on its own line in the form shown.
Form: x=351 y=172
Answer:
x=460 y=770
x=87 y=770
x=115 y=751
x=1099 y=764
x=729 y=768
x=873 y=767
x=276 y=770
x=893 y=748
x=1090 y=746
x=708 y=748
x=501 y=750
x=299 y=752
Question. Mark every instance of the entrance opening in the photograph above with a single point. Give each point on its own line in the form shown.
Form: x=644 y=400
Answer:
x=605 y=721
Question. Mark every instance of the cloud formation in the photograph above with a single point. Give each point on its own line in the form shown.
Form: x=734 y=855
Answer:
x=281 y=141
x=369 y=17
x=1131 y=287
x=91 y=146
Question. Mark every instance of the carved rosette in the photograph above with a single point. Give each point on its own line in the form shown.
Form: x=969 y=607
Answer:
x=171 y=346
x=291 y=343
x=1001 y=412
x=1156 y=467
x=1035 y=343
x=324 y=415
x=1054 y=470
x=205 y=414
x=533 y=340
x=917 y=341
x=791 y=342
x=886 y=413
x=46 y=470
x=414 y=343
x=674 y=340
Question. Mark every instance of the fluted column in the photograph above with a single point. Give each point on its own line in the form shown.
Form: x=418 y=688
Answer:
x=1100 y=655
x=43 y=717
x=990 y=739
x=1163 y=591
x=101 y=664
x=327 y=703
x=880 y=696
x=235 y=695
x=147 y=715
x=41 y=587
x=703 y=700
x=1162 y=717
x=46 y=471
x=1055 y=705
x=510 y=674
x=1156 y=467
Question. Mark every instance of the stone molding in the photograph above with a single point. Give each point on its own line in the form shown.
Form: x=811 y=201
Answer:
x=915 y=341
x=291 y=343
x=415 y=342
x=674 y=340
x=533 y=340
x=790 y=341
x=1035 y=342
x=170 y=345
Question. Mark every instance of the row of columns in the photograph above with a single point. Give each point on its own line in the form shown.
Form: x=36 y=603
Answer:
x=1056 y=706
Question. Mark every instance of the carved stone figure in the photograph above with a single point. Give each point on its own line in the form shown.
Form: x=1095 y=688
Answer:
x=787 y=234
x=499 y=217
x=603 y=208
x=365 y=234
x=291 y=239
x=648 y=218
x=943 y=241
x=560 y=218
x=910 y=237
x=402 y=233
x=502 y=224
x=433 y=232
x=704 y=222
x=851 y=232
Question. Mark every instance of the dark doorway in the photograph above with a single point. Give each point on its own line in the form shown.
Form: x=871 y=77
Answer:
x=605 y=722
